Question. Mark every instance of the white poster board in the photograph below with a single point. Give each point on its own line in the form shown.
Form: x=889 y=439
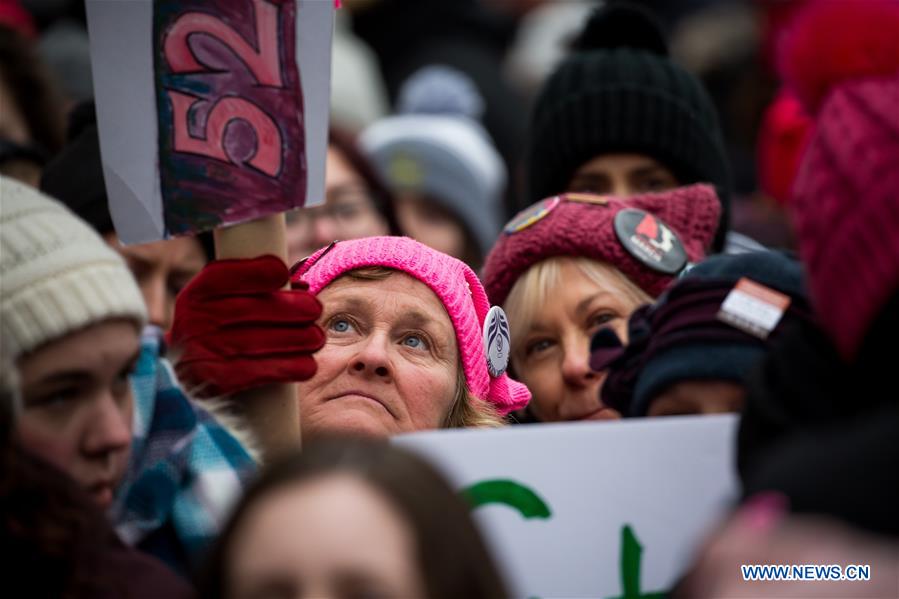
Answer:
x=126 y=57
x=667 y=479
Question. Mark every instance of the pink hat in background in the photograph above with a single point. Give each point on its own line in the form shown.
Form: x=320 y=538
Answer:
x=650 y=237
x=783 y=136
x=843 y=60
x=454 y=283
x=14 y=16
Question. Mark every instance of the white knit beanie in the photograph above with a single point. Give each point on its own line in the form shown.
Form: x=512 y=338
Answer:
x=56 y=274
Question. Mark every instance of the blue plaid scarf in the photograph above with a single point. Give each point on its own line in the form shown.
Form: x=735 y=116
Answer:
x=185 y=473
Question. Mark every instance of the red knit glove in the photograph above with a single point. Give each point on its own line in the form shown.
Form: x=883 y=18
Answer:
x=238 y=328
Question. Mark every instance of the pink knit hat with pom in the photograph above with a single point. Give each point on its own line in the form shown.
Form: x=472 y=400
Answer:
x=586 y=225
x=842 y=58
x=454 y=283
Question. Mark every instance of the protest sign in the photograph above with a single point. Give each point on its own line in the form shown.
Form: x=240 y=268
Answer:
x=602 y=510
x=210 y=112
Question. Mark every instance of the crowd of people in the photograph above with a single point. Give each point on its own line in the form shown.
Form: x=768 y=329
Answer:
x=623 y=285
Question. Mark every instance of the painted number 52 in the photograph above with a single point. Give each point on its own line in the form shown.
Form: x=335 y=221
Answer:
x=262 y=62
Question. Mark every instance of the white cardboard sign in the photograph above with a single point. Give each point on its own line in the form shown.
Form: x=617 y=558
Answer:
x=210 y=112
x=627 y=501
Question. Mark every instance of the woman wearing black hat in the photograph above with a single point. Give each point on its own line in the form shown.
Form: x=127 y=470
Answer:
x=618 y=116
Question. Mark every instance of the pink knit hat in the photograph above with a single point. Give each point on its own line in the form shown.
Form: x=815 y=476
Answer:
x=454 y=283
x=586 y=225
x=843 y=59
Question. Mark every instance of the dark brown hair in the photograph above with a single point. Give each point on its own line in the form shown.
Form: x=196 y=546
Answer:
x=31 y=88
x=452 y=557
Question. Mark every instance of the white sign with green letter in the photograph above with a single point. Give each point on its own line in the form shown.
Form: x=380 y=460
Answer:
x=604 y=509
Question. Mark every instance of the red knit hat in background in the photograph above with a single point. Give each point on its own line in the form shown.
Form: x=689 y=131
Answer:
x=590 y=226
x=14 y=16
x=843 y=60
x=784 y=134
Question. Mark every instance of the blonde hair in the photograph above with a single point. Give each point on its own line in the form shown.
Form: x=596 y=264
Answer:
x=466 y=411
x=531 y=290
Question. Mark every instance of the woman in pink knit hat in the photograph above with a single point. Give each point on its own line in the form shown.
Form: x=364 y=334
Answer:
x=572 y=264
x=411 y=342
x=403 y=337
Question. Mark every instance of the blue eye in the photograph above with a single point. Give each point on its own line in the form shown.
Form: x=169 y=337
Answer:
x=414 y=341
x=340 y=325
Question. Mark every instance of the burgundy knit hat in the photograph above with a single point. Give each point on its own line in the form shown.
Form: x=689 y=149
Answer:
x=846 y=195
x=633 y=234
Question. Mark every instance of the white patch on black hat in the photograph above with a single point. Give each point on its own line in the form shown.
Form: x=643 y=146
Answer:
x=648 y=239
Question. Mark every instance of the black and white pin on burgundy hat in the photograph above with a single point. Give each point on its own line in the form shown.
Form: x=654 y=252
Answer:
x=649 y=240
x=497 y=341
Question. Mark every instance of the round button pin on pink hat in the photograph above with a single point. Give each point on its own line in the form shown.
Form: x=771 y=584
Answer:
x=497 y=341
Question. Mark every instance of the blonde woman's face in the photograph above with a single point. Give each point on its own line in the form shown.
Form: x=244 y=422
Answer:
x=552 y=356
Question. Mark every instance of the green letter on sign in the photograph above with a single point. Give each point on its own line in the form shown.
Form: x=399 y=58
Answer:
x=507 y=492
x=630 y=567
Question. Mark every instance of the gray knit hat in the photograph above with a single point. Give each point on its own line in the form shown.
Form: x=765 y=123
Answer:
x=56 y=274
x=447 y=157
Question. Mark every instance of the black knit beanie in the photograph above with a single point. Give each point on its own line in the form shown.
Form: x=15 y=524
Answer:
x=75 y=175
x=618 y=91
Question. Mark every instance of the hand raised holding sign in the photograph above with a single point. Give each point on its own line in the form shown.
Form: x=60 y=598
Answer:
x=205 y=123
x=238 y=328
x=230 y=117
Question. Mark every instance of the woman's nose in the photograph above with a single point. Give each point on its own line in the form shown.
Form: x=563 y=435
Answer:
x=373 y=358
x=576 y=364
x=622 y=187
x=109 y=428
